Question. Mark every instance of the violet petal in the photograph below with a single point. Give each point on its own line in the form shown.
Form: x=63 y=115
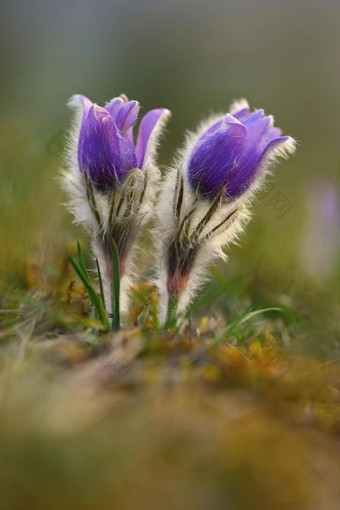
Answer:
x=147 y=125
x=216 y=155
x=106 y=155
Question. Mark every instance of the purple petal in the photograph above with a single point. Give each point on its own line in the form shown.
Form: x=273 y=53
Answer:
x=271 y=148
x=216 y=155
x=234 y=157
x=260 y=133
x=253 y=117
x=147 y=125
x=86 y=105
x=105 y=154
x=124 y=113
x=113 y=106
x=257 y=150
x=214 y=127
x=130 y=135
x=242 y=114
x=126 y=116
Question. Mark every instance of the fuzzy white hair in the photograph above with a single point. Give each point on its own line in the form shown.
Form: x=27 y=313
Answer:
x=209 y=246
x=223 y=227
x=123 y=210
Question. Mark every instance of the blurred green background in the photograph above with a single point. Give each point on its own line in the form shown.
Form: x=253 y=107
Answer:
x=192 y=57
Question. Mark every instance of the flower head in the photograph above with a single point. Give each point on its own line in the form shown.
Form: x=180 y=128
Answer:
x=234 y=152
x=106 y=148
x=112 y=180
x=204 y=201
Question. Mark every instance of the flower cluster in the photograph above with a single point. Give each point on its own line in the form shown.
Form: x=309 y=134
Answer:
x=202 y=202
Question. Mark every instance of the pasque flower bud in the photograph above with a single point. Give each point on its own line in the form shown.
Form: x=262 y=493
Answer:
x=111 y=179
x=233 y=152
x=204 y=200
x=106 y=148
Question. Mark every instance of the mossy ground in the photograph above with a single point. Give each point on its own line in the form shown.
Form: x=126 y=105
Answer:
x=138 y=419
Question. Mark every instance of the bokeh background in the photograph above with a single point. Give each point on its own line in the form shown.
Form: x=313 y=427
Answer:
x=192 y=57
x=163 y=424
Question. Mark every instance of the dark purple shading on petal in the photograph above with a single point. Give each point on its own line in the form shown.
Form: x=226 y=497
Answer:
x=260 y=134
x=106 y=155
x=241 y=114
x=106 y=141
x=113 y=106
x=86 y=106
x=123 y=113
x=147 y=125
x=127 y=116
x=233 y=157
x=271 y=147
x=216 y=155
x=216 y=125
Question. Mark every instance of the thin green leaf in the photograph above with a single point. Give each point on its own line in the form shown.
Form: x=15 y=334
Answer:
x=81 y=261
x=141 y=197
x=100 y=283
x=207 y=217
x=221 y=286
x=184 y=222
x=227 y=218
x=113 y=199
x=171 y=319
x=91 y=198
x=180 y=198
x=95 y=299
x=84 y=270
x=232 y=327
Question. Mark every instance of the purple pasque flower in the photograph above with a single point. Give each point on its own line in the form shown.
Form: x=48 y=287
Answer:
x=106 y=148
x=233 y=152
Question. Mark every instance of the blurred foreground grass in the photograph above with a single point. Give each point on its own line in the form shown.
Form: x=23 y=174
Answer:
x=136 y=419
x=166 y=422
x=96 y=420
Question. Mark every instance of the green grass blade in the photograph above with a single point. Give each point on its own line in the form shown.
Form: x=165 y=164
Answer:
x=221 y=285
x=115 y=287
x=252 y=314
x=172 y=315
x=81 y=262
x=95 y=299
x=100 y=283
x=84 y=270
x=231 y=328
